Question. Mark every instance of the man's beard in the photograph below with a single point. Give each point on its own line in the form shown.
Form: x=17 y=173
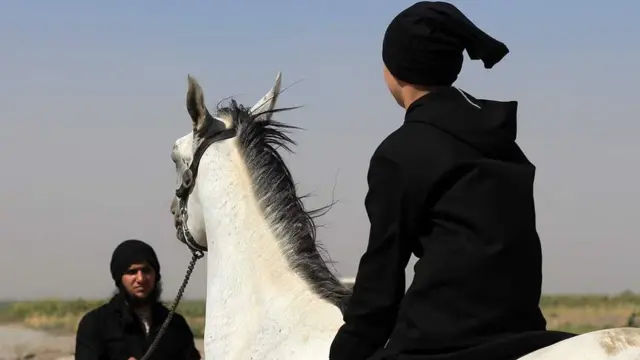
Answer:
x=134 y=302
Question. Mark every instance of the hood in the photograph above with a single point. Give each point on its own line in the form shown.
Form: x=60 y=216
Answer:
x=488 y=126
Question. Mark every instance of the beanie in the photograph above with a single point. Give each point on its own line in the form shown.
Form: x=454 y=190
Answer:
x=131 y=252
x=423 y=44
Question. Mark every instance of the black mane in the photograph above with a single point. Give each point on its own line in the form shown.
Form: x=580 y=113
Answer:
x=273 y=185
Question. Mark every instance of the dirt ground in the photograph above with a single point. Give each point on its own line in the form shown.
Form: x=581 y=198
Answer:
x=17 y=343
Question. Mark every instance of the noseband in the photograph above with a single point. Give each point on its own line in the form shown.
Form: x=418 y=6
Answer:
x=188 y=182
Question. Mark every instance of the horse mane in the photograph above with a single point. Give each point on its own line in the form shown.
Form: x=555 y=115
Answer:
x=259 y=139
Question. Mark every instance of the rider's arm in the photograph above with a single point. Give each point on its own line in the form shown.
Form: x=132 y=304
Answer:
x=89 y=345
x=393 y=202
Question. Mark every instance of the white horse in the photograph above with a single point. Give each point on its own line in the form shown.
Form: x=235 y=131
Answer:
x=270 y=294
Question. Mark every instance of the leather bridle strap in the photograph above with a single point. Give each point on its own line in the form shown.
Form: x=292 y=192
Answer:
x=188 y=182
x=189 y=176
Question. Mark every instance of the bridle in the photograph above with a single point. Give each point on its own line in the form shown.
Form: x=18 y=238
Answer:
x=186 y=187
x=197 y=251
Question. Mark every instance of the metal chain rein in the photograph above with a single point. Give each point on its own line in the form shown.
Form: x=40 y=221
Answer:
x=196 y=255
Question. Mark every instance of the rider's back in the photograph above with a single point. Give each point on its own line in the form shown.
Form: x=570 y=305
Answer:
x=479 y=274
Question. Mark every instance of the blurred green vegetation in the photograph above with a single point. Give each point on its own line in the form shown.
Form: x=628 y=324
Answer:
x=573 y=313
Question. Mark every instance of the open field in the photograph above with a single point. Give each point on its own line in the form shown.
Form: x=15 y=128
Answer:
x=44 y=329
x=575 y=313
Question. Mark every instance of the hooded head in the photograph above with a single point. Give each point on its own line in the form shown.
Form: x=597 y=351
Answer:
x=135 y=269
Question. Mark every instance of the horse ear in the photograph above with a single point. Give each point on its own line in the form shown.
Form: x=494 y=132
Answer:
x=195 y=104
x=268 y=102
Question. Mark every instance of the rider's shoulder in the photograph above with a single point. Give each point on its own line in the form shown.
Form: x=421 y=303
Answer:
x=408 y=139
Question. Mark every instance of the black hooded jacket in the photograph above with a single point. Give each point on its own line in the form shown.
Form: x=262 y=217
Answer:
x=452 y=187
x=113 y=332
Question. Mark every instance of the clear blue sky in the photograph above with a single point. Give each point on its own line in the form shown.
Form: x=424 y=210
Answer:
x=92 y=98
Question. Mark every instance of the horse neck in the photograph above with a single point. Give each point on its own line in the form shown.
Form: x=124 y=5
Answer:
x=239 y=235
x=250 y=284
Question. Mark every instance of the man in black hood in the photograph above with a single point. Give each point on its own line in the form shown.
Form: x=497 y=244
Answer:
x=451 y=186
x=125 y=327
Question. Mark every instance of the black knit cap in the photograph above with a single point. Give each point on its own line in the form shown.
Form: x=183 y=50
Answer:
x=131 y=252
x=423 y=44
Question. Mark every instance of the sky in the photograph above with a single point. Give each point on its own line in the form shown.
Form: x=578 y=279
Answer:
x=92 y=97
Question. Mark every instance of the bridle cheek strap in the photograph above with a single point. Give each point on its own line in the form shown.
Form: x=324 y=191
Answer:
x=188 y=181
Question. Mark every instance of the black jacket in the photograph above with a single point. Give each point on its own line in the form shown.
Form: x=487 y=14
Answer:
x=452 y=187
x=113 y=332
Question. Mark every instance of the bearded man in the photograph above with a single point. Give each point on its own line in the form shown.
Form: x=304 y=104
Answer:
x=125 y=327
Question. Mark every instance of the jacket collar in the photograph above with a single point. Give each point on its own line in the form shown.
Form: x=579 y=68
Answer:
x=120 y=306
x=445 y=100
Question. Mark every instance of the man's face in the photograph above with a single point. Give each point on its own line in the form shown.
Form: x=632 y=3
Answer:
x=139 y=280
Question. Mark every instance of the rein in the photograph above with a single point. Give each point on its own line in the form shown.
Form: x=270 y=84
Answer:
x=184 y=235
